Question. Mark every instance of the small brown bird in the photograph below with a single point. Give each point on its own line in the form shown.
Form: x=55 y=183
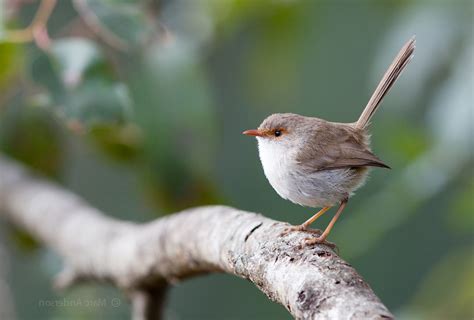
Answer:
x=317 y=163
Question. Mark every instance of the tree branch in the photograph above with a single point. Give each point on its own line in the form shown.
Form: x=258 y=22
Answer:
x=311 y=282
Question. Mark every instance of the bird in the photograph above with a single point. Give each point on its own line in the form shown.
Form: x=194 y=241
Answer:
x=320 y=164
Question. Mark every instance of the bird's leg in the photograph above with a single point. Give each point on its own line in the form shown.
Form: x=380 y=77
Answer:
x=326 y=232
x=305 y=225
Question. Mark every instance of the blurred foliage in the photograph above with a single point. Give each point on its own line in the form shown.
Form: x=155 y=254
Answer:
x=447 y=292
x=23 y=240
x=154 y=94
x=11 y=56
x=124 y=20
x=119 y=142
x=462 y=207
x=81 y=89
x=31 y=135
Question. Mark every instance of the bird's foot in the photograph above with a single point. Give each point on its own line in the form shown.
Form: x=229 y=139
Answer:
x=318 y=240
x=301 y=228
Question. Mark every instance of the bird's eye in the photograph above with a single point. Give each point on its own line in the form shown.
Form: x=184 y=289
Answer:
x=277 y=133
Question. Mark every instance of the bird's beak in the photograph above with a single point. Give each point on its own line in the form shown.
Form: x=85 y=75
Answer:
x=255 y=133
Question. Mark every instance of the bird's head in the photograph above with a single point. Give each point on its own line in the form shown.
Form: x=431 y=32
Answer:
x=280 y=129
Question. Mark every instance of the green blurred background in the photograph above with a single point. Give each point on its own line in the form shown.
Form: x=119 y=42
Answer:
x=140 y=110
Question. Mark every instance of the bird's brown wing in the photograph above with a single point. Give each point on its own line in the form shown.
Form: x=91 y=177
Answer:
x=349 y=157
x=337 y=147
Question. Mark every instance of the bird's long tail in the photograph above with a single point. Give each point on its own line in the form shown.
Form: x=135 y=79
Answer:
x=389 y=78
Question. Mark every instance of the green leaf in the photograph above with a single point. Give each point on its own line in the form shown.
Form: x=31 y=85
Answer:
x=23 y=239
x=96 y=101
x=73 y=57
x=11 y=56
x=30 y=134
x=121 y=142
x=42 y=71
x=80 y=87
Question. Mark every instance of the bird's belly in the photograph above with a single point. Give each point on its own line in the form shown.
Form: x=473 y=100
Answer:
x=317 y=189
x=301 y=186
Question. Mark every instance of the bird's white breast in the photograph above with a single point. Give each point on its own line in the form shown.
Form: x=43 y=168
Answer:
x=277 y=163
x=295 y=183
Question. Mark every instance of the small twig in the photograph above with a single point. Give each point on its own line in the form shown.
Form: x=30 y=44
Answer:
x=36 y=28
x=94 y=23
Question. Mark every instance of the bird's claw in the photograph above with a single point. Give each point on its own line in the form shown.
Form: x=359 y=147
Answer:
x=311 y=241
x=318 y=240
x=301 y=228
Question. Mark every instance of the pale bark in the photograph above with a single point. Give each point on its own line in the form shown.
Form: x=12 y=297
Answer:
x=141 y=259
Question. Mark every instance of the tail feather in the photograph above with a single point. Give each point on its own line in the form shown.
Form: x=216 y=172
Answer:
x=391 y=75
